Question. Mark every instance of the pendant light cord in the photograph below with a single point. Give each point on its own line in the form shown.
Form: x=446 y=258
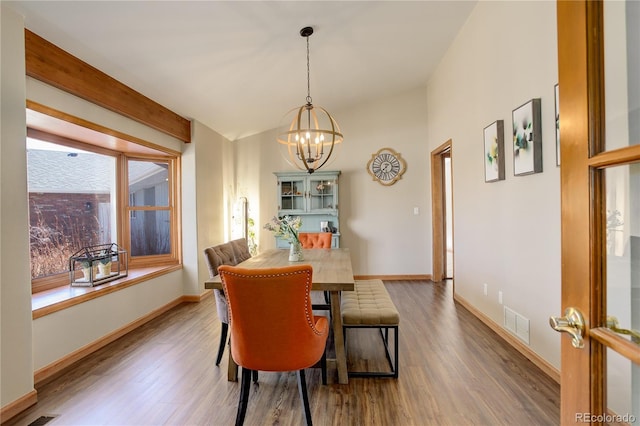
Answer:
x=308 y=74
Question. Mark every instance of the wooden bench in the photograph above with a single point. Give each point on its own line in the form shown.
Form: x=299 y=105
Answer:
x=370 y=306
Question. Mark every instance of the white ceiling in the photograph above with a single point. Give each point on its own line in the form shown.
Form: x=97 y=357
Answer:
x=239 y=66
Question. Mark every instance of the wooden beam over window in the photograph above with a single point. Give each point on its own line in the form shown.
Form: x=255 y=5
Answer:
x=48 y=63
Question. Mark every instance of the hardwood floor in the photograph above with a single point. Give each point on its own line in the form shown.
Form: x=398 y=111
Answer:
x=453 y=370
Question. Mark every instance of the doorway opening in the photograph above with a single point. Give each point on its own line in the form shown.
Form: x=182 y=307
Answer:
x=442 y=212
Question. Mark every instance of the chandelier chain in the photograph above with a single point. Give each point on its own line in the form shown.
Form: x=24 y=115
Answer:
x=308 y=75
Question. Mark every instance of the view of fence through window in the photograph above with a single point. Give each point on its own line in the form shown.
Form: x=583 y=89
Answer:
x=71 y=199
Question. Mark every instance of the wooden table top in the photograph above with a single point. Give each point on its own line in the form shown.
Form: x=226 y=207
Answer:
x=331 y=267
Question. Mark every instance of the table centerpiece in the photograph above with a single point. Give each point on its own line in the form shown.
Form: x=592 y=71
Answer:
x=287 y=228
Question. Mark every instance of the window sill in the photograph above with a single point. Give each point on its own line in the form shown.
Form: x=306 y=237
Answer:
x=47 y=302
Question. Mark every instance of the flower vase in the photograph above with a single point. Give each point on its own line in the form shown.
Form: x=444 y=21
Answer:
x=295 y=252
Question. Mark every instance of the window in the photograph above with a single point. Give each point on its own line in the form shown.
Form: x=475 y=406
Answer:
x=75 y=201
x=149 y=209
x=70 y=203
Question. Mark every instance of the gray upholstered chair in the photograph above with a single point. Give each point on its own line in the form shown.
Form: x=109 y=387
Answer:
x=215 y=256
x=240 y=249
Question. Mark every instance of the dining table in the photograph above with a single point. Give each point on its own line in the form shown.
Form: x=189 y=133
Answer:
x=332 y=273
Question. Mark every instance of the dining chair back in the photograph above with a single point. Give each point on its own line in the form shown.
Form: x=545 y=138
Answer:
x=311 y=240
x=315 y=239
x=216 y=256
x=226 y=253
x=272 y=324
x=240 y=249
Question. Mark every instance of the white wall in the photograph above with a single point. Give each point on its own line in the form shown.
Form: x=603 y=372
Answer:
x=255 y=161
x=211 y=156
x=61 y=333
x=377 y=222
x=507 y=234
x=15 y=292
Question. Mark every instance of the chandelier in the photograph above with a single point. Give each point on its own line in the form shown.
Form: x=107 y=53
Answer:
x=310 y=138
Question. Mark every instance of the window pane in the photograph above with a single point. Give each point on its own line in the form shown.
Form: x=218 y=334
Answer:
x=148 y=184
x=623 y=389
x=150 y=232
x=622 y=230
x=622 y=73
x=70 y=203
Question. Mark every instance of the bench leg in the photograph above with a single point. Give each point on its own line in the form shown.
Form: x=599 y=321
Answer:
x=393 y=364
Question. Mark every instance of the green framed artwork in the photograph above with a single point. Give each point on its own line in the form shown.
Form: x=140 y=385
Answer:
x=494 y=151
x=527 y=138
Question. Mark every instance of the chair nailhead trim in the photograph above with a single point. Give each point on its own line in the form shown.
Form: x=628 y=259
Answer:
x=308 y=314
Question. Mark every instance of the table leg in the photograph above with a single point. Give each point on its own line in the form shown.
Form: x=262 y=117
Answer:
x=232 y=369
x=338 y=338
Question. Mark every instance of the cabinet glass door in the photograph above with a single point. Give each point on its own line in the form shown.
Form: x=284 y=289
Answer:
x=292 y=195
x=321 y=194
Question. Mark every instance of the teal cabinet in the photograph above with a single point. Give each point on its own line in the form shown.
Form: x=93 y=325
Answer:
x=313 y=197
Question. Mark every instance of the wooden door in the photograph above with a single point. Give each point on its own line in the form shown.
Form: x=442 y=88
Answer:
x=600 y=200
x=439 y=211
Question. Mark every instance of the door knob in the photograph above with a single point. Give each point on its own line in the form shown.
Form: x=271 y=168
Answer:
x=573 y=323
x=612 y=324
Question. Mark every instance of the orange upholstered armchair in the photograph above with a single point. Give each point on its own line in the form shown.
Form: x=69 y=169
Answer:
x=272 y=325
x=315 y=239
x=311 y=240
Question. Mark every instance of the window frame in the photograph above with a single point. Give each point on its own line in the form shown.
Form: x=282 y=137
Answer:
x=60 y=128
x=128 y=209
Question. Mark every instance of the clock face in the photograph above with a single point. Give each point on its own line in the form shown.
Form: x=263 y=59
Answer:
x=386 y=166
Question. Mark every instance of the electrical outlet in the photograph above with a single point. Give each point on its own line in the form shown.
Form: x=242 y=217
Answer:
x=500 y=297
x=486 y=289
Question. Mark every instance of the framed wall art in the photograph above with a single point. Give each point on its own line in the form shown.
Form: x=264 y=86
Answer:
x=527 y=138
x=494 y=151
x=557 y=100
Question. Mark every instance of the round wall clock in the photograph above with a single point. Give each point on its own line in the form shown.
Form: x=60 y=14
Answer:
x=386 y=166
